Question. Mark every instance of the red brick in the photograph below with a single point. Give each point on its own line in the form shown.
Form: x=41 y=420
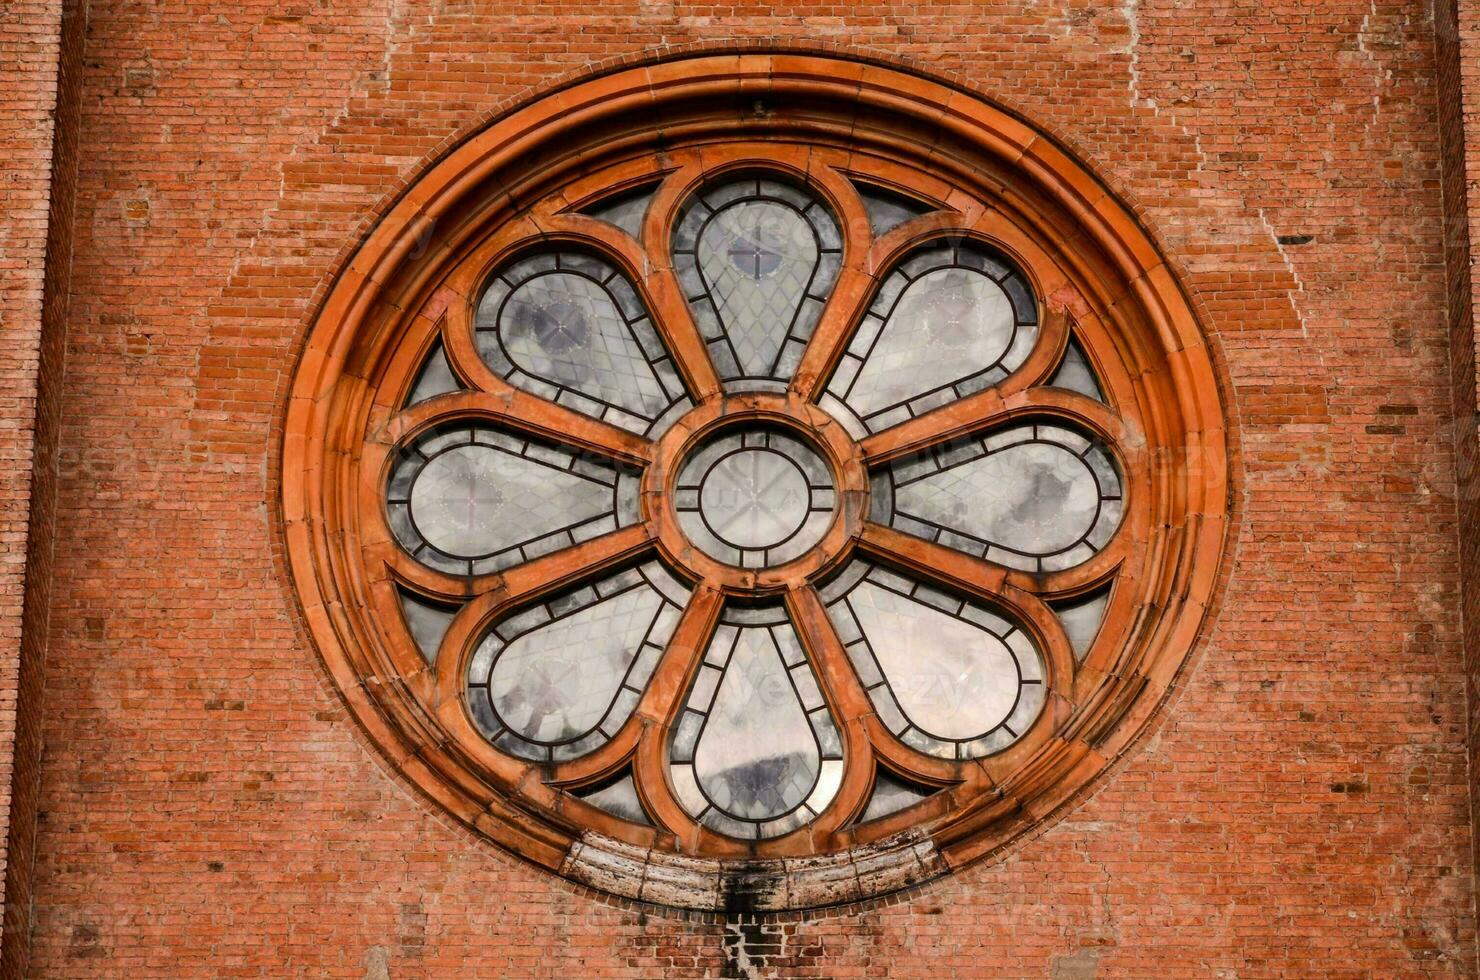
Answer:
x=1305 y=807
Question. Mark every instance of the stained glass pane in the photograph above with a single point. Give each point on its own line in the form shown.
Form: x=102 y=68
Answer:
x=619 y=798
x=472 y=499
x=571 y=328
x=891 y=794
x=755 y=753
x=757 y=260
x=887 y=210
x=435 y=378
x=948 y=321
x=426 y=620
x=558 y=679
x=1082 y=617
x=625 y=210
x=1035 y=497
x=947 y=676
x=1075 y=373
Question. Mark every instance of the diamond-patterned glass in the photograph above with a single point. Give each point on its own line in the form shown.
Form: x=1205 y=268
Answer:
x=948 y=321
x=572 y=328
x=757 y=260
x=558 y=679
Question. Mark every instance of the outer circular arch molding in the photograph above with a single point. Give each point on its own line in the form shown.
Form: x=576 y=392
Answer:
x=1097 y=272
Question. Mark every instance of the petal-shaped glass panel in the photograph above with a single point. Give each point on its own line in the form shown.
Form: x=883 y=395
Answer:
x=757 y=259
x=556 y=680
x=570 y=327
x=949 y=677
x=1035 y=497
x=755 y=752
x=471 y=499
x=950 y=320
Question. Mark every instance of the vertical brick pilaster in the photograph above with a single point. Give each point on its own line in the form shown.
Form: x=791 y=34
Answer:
x=40 y=54
x=1459 y=136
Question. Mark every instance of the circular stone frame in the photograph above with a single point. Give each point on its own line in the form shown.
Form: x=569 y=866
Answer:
x=392 y=298
x=788 y=413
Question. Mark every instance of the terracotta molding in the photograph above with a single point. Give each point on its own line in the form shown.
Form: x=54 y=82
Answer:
x=513 y=186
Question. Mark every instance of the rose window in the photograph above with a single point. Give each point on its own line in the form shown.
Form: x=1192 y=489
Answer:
x=753 y=505
x=765 y=500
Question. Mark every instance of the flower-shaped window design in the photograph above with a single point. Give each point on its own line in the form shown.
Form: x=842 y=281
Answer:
x=752 y=504
x=773 y=501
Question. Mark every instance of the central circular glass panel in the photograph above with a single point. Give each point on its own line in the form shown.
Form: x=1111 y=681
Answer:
x=754 y=497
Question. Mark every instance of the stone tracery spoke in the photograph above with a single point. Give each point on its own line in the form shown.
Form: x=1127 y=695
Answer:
x=978 y=577
x=994 y=408
x=521 y=412
x=870 y=741
x=867 y=739
x=855 y=283
x=650 y=719
x=661 y=290
x=528 y=582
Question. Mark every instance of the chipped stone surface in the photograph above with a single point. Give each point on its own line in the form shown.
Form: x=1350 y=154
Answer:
x=738 y=886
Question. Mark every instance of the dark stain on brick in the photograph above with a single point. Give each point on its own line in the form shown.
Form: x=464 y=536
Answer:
x=87 y=942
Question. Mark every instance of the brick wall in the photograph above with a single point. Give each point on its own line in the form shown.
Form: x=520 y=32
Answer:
x=1455 y=60
x=1457 y=30
x=45 y=421
x=40 y=50
x=206 y=807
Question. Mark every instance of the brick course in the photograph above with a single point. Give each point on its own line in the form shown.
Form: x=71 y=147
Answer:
x=206 y=806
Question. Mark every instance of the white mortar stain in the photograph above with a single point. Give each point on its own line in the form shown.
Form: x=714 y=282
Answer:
x=1380 y=76
x=740 y=956
x=1294 y=275
x=1129 y=10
